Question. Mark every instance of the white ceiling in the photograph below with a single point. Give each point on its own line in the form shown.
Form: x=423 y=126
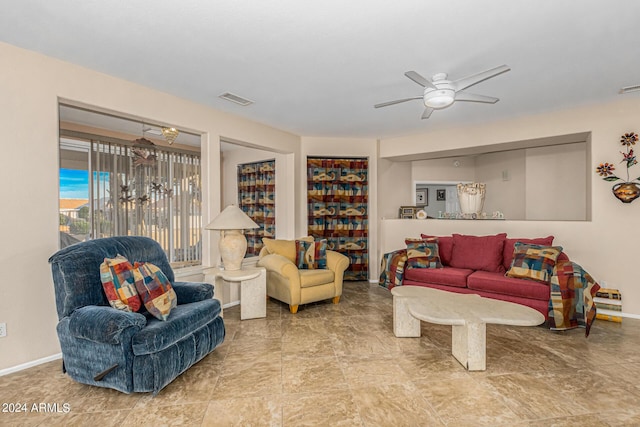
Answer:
x=317 y=68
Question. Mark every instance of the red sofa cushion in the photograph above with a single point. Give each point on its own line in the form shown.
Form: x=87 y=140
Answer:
x=442 y=276
x=478 y=252
x=509 y=245
x=499 y=284
x=445 y=247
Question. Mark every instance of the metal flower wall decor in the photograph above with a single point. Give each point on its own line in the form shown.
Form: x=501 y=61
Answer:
x=628 y=190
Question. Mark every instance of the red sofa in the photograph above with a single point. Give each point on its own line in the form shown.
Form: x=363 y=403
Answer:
x=477 y=264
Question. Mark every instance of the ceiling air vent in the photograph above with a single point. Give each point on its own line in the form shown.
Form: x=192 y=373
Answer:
x=628 y=89
x=235 y=98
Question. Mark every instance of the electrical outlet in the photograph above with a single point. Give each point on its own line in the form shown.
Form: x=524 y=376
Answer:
x=3 y=330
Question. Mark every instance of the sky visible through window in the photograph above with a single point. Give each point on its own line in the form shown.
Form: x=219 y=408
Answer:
x=74 y=184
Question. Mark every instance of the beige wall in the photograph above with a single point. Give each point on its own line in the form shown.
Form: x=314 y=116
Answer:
x=30 y=88
x=606 y=246
x=507 y=196
x=345 y=147
x=546 y=167
x=394 y=187
x=453 y=169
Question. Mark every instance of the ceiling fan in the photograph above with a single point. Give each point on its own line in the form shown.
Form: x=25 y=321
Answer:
x=440 y=93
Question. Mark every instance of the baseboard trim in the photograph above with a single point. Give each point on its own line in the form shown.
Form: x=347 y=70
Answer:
x=31 y=364
x=231 y=304
x=629 y=315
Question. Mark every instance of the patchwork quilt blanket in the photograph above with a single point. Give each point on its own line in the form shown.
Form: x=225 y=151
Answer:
x=571 y=304
x=392 y=268
x=572 y=290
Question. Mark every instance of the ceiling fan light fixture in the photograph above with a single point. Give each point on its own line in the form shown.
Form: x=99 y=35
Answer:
x=439 y=92
x=440 y=98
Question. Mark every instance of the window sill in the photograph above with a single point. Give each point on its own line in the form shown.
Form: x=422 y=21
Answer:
x=188 y=271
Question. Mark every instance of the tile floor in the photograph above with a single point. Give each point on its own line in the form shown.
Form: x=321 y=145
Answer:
x=340 y=365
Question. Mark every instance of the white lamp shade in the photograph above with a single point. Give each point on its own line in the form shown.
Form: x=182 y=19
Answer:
x=232 y=218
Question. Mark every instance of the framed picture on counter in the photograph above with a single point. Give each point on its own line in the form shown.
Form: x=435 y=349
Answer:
x=408 y=212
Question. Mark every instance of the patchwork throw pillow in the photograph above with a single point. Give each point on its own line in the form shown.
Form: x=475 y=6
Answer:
x=311 y=255
x=534 y=262
x=118 y=282
x=155 y=290
x=423 y=253
x=445 y=247
x=509 y=246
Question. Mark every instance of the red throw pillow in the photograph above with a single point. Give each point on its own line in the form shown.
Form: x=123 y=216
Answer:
x=445 y=247
x=478 y=252
x=509 y=245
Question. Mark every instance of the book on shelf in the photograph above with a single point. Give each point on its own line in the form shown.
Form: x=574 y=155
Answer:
x=609 y=293
x=609 y=317
x=600 y=300
x=611 y=307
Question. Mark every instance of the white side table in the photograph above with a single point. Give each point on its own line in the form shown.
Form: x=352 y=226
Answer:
x=253 y=289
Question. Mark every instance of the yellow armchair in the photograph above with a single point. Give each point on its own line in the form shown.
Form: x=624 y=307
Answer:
x=286 y=283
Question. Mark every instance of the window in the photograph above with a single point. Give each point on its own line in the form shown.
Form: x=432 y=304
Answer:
x=111 y=187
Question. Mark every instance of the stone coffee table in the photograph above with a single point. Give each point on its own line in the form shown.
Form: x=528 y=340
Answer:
x=468 y=315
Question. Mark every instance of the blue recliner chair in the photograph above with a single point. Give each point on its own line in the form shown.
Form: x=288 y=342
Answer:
x=126 y=351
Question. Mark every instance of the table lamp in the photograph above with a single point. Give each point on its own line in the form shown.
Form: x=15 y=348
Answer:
x=233 y=245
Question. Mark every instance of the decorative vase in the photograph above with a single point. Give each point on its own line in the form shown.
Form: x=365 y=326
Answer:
x=626 y=192
x=471 y=197
x=233 y=246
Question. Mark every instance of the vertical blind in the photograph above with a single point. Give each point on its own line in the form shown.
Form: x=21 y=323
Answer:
x=146 y=190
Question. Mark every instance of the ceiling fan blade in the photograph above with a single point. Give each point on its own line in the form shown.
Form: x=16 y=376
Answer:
x=480 y=77
x=427 y=113
x=463 y=96
x=397 y=101
x=419 y=79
